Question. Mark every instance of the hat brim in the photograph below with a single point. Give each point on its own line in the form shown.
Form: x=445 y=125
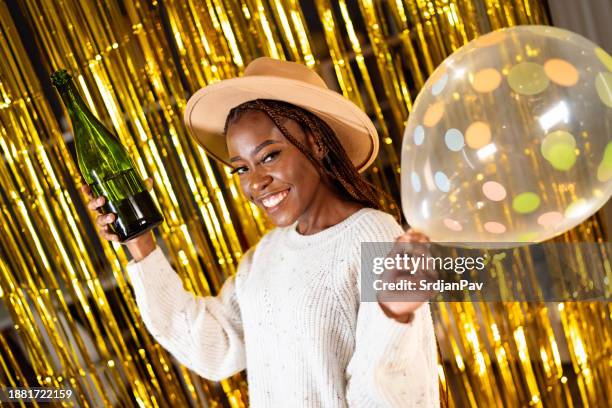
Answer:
x=207 y=110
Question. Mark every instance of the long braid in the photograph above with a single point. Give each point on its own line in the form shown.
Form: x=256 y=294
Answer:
x=335 y=162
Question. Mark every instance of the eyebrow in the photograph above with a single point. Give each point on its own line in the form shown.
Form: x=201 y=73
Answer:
x=257 y=149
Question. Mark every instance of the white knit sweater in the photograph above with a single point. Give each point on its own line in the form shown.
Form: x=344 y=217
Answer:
x=292 y=317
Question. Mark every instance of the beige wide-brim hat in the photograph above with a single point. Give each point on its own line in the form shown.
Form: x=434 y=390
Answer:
x=268 y=78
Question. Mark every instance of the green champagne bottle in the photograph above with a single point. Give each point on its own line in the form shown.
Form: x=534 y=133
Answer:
x=106 y=166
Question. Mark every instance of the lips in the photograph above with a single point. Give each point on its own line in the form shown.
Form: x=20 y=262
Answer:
x=271 y=201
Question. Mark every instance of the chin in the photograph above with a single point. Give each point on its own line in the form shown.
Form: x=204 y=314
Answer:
x=283 y=217
x=282 y=220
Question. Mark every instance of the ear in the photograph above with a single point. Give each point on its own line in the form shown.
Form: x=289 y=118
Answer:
x=319 y=150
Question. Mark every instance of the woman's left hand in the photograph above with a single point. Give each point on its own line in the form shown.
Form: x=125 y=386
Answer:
x=398 y=309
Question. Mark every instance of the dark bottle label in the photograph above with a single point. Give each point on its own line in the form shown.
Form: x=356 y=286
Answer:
x=136 y=211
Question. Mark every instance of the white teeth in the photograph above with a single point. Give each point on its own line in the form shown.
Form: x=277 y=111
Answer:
x=275 y=199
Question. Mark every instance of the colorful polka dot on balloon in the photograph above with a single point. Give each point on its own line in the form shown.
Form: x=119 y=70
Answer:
x=604 y=57
x=494 y=227
x=604 y=173
x=604 y=170
x=419 y=135
x=561 y=72
x=526 y=203
x=439 y=86
x=562 y=157
x=433 y=114
x=603 y=85
x=559 y=149
x=454 y=140
x=550 y=219
x=527 y=78
x=416 y=181
x=494 y=191
x=478 y=134
x=555 y=138
x=486 y=80
x=442 y=181
x=437 y=74
x=452 y=225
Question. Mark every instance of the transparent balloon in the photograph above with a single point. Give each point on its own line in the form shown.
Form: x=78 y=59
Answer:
x=510 y=139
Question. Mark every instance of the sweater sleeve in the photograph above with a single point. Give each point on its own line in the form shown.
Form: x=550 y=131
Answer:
x=394 y=364
x=203 y=333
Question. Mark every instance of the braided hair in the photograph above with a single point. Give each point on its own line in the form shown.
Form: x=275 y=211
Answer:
x=334 y=161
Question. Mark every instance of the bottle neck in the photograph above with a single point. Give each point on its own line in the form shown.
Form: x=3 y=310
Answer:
x=72 y=99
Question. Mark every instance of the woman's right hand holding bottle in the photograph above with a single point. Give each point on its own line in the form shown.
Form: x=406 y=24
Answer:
x=140 y=246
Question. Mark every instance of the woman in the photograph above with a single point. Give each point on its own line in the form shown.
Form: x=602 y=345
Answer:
x=291 y=315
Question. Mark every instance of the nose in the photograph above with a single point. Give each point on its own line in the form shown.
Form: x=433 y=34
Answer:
x=259 y=180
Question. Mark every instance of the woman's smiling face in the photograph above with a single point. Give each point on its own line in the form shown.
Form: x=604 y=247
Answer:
x=274 y=174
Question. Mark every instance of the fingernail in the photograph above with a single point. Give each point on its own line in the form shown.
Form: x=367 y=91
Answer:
x=110 y=217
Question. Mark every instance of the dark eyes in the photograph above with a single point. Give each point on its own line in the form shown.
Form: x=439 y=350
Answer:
x=237 y=170
x=270 y=156
x=266 y=159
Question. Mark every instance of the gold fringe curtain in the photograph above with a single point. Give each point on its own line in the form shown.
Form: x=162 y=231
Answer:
x=136 y=62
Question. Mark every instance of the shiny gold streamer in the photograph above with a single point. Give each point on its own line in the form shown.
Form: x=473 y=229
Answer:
x=136 y=62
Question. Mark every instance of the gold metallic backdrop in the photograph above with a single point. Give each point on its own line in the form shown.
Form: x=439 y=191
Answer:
x=136 y=62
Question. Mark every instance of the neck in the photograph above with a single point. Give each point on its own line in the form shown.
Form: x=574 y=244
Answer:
x=72 y=99
x=327 y=209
